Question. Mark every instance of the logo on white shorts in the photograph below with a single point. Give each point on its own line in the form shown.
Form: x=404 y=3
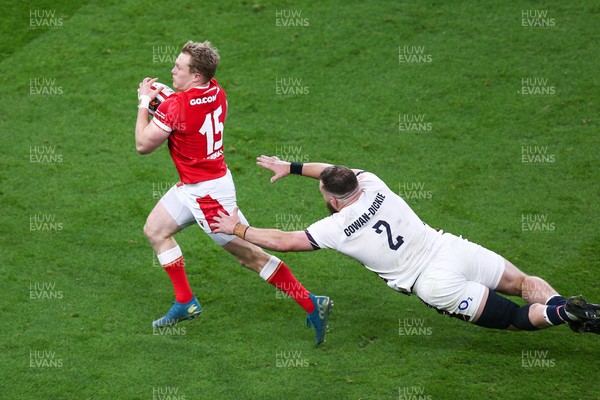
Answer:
x=465 y=304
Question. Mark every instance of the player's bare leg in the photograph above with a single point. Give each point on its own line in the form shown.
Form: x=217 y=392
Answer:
x=531 y=288
x=277 y=273
x=271 y=269
x=159 y=229
x=247 y=254
x=545 y=306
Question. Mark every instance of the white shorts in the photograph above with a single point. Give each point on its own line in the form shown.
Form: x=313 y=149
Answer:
x=200 y=202
x=457 y=277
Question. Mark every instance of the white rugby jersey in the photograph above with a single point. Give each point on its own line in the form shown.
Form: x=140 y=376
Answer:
x=382 y=232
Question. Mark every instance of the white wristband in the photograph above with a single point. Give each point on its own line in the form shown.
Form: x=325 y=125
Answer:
x=144 y=101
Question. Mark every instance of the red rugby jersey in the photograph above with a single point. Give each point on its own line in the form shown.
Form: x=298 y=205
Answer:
x=195 y=118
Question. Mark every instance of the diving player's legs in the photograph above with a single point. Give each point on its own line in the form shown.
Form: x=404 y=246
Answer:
x=461 y=282
x=547 y=306
x=474 y=302
x=500 y=313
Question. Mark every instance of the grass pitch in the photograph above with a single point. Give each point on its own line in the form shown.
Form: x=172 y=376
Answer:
x=484 y=116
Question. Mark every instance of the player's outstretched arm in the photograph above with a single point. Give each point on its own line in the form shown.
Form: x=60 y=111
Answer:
x=272 y=239
x=283 y=168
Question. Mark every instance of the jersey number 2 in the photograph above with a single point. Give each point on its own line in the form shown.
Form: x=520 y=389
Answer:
x=211 y=127
x=388 y=231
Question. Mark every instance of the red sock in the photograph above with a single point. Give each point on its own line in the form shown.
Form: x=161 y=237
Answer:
x=283 y=279
x=172 y=262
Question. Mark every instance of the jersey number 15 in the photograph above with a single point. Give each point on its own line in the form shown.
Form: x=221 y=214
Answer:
x=211 y=127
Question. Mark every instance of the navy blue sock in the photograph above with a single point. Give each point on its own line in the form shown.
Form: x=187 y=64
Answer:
x=557 y=300
x=554 y=316
x=557 y=315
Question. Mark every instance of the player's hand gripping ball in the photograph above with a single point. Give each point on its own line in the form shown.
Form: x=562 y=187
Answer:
x=160 y=97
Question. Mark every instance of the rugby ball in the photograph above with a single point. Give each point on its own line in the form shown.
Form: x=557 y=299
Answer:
x=160 y=97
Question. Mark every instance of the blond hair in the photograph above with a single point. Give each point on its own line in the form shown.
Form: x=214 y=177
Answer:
x=204 y=58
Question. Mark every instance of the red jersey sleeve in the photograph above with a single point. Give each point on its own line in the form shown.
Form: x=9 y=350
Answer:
x=167 y=114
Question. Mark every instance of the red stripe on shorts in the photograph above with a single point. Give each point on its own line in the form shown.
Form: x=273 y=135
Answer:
x=210 y=208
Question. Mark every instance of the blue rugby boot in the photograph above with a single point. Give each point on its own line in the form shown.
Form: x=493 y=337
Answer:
x=320 y=316
x=179 y=312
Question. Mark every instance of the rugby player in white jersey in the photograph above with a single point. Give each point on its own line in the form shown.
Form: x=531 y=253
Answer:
x=375 y=226
x=191 y=121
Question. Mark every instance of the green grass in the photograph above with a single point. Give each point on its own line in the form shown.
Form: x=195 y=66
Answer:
x=99 y=192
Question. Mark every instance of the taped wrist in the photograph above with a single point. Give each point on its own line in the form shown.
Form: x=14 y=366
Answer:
x=144 y=101
x=240 y=229
x=296 y=168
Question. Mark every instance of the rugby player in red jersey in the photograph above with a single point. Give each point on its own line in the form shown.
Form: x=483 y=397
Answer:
x=192 y=122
